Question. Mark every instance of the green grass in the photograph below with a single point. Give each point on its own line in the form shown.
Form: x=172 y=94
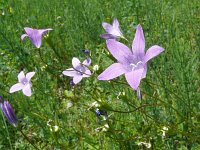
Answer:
x=170 y=91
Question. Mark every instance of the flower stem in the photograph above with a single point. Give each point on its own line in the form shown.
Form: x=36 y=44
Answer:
x=7 y=130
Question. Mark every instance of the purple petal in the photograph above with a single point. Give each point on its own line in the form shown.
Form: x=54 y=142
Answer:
x=152 y=52
x=115 y=23
x=70 y=72
x=112 y=71
x=145 y=71
x=108 y=36
x=30 y=75
x=35 y=36
x=9 y=113
x=21 y=76
x=77 y=79
x=138 y=45
x=27 y=90
x=23 y=36
x=87 y=62
x=107 y=27
x=120 y=51
x=75 y=62
x=133 y=78
x=44 y=31
x=87 y=73
x=16 y=87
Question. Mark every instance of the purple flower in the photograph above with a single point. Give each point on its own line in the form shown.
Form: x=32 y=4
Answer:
x=87 y=52
x=100 y=112
x=9 y=113
x=132 y=63
x=79 y=70
x=35 y=35
x=113 y=31
x=24 y=83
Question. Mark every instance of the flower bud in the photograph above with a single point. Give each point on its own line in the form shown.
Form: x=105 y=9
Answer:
x=9 y=113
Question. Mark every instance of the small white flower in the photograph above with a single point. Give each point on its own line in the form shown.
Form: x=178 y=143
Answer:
x=95 y=67
x=164 y=129
x=69 y=104
x=54 y=128
x=105 y=128
x=147 y=145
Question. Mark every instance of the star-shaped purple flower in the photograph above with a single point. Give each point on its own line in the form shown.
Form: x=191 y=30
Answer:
x=132 y=63
x=24 y=83
x=79 y=70
x=113 y=31
x=35 y=35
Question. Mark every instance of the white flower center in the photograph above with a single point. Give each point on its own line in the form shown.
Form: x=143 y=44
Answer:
x=134 y=66
x=25 y=82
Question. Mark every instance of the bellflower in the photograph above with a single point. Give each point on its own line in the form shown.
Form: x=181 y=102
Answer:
x=35 y=35
x=113 y=31
x=24 y=83
x=79 y=70
x=132 y=63
x=9 y=113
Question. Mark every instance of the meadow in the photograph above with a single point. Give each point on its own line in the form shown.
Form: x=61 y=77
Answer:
x=58 y=116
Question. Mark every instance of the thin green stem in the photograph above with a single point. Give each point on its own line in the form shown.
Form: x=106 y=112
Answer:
x=4 y=121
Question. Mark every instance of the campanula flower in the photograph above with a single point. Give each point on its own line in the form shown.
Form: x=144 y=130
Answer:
x=132 y=63
x=24 y=83
x=86 y=51
x=113 y=31
x=9 y=113
x=72 y=83
x=79 y=70
x=35 y=35
x=100 y=112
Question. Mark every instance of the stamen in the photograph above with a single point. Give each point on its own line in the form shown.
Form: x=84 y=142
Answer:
x=134 y=66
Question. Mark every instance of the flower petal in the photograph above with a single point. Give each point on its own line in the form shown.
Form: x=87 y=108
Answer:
x=16 y=87
x=75 y=62
x=44 y=31
x=115 y=23
x=87 y=62
x=23 y=36
x=21 y=76
x=87 y=73
x=108 y=36
x=133 y=78
x=120 y=51
x=138 y=45
x=112 y=71
x=107 y=27
x=27 y=90
x=152 y=52
x=77 y=79
x=30 y=75
x=70 y=72
x=145 y=71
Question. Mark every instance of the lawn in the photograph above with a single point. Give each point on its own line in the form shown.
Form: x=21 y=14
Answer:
x=59 y=116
